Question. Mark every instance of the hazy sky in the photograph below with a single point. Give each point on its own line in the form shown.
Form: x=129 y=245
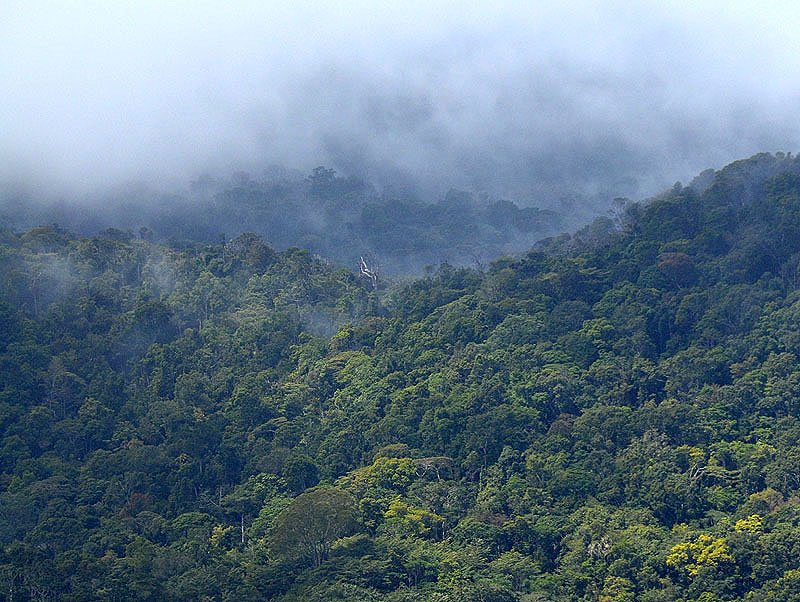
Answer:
x=527 y=100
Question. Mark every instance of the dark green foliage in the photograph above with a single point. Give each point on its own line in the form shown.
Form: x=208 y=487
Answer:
x=613 y=416
x=312 y=522
x=343 y=218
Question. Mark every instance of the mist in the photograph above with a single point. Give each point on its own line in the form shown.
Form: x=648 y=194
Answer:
x=525 y=101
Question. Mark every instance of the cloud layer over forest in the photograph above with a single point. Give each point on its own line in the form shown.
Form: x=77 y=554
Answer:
x=529 y=103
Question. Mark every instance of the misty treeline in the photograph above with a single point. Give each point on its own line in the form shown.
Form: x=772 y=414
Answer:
x=342 y=218
x=611 y=416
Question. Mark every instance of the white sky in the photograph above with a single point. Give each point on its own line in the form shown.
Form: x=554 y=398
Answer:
x=517 y=98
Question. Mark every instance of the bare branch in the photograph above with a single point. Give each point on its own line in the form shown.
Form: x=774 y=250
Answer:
x=372 y=275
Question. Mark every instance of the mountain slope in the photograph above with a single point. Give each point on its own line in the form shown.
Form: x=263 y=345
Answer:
x=611 y=416
x=339 y=218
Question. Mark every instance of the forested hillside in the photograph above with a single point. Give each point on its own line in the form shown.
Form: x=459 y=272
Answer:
x=341 y=218
x=613 y=416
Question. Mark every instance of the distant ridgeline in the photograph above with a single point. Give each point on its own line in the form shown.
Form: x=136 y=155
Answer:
x=339 y=218
x=612 y=416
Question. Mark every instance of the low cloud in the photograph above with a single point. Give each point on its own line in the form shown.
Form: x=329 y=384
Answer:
x=533 y=104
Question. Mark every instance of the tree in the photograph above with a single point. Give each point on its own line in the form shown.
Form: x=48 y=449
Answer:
x=308 y=527
x=300 y=472
x=693 y=556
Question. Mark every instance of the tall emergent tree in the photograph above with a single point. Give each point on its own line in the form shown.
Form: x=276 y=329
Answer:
x=312 y=522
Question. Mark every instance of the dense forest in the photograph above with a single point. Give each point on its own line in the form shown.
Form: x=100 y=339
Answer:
x=340 y=218
x=611 y=416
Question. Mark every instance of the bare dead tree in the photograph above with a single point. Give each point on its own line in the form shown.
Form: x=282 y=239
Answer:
x=435 y=463
x=477 y=261
x=371 y=274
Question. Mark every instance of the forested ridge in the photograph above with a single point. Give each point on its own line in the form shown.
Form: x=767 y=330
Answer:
x=341 y=218
x=611 y=416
